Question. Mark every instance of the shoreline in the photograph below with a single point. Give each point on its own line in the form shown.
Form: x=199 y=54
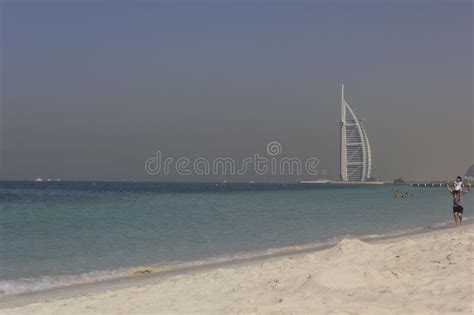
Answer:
x=140 y=280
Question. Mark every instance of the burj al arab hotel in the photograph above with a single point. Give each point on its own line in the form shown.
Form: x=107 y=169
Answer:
x=356 y=159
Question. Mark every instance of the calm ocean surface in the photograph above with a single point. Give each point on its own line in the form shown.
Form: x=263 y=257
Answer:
x=61 y=233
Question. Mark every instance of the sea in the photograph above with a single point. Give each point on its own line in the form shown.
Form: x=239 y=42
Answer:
x=57 y=234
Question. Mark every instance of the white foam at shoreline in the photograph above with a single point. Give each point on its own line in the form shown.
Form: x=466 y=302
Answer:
x=27 y=285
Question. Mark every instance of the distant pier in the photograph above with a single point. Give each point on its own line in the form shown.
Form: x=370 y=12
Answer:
x=427 y=184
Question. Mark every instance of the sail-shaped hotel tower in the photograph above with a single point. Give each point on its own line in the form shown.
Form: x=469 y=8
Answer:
x=356 y=159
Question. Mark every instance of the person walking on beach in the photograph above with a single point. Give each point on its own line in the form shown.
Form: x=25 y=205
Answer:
x=458 y=194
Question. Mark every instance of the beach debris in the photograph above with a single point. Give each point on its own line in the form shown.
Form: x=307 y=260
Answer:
x=143 y=271
x=395 y=274
x=280 y=300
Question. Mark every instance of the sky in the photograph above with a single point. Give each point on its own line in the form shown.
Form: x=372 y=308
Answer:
x=91 y=90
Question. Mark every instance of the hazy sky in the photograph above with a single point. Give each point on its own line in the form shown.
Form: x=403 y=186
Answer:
x=91 y=90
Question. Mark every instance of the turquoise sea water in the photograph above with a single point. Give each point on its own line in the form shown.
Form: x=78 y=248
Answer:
x=61 y=233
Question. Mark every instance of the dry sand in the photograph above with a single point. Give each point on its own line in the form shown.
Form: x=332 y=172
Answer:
x=430 y=273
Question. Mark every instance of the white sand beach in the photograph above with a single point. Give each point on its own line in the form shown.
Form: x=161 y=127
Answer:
x=429 y=273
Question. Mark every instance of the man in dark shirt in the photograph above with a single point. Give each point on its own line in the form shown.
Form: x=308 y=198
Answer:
x=457 y=202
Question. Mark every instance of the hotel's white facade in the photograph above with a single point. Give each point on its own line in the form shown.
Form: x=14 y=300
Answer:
x=356 y=159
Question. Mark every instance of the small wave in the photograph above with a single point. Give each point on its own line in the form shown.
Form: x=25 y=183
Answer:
x=369 y=237
x=41 y=283
x=28 y=285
